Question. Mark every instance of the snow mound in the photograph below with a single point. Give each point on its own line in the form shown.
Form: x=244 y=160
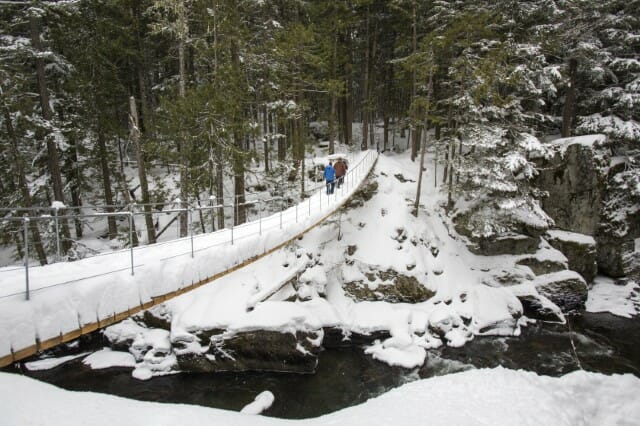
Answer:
x=106 y=358
x=488 y=396
x=262 y=402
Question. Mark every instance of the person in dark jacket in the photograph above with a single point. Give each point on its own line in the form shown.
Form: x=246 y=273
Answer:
x=341 y=169
x=329 y=177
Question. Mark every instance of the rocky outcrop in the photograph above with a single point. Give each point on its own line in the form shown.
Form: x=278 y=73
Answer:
x=389 y=286
x=574 y=177
x=591 y=193
x=533 y=308
x=566 y=289
x=542 y=266
x=579 y=249
x=335 y=337
x=491 y=229
x=506 y=244
x=362 y=195
x=621 y=220
x=259 y=350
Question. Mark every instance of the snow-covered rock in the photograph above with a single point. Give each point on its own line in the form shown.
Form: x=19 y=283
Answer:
x=579 y=249
x=566 y=289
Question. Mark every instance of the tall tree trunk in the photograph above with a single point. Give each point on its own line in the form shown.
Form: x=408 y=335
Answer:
x=219 y=186
x=182 y=148
x=106 y=184
x=301 y=154
x=238 y=182
x=435 y=160
x=416 y=205
x=385 y=137
x=348 y=96
x=142 y=170
x=282 y=143
x=415 y=134
x=52 y=150
x=124 y=188
x=23 y=185
x=266 y=137
x=452 y=150
x=332 y=109
x=73 y=178
x=569 y=100
x=332 y=113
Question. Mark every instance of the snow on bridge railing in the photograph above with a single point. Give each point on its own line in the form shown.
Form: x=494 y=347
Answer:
x=313 y=202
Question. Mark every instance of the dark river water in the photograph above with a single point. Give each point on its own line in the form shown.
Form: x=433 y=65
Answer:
x=346 y=377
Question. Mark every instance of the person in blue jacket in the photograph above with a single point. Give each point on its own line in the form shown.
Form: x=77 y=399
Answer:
x=329 y=177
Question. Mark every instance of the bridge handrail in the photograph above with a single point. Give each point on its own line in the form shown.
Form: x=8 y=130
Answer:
x=349 y=178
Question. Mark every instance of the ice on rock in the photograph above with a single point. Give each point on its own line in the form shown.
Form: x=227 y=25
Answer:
x=262 y=402
x=106 y=358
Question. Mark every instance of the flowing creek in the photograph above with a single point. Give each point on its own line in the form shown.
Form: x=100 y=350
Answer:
x=345 y=377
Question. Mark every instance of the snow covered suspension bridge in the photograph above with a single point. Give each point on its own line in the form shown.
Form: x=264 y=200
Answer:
x=44 y=306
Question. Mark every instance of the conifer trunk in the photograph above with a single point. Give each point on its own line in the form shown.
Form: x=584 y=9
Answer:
x=182 y=148
x=106 y=184
x=142 y=169
x=569 y=100
x=52 y=150
x=24 y=187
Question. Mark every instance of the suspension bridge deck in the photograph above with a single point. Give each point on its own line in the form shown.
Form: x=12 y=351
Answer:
x=67 y=300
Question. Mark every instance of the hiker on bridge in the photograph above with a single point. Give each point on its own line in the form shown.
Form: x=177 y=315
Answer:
x=341 y=169
x=329 y=177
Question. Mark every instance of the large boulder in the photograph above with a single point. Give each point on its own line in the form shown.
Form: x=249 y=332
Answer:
x=389 y=286
x=579 y=249
x=574 y=175
x=335 y=337
x=259 y=350
x=542 y=266
x=566 y=289
x=505 y=244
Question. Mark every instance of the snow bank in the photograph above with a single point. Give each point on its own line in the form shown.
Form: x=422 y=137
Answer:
x=476 y=397
x=49 y=363
x=562 y=144
x=573 y=237
x=621 y=300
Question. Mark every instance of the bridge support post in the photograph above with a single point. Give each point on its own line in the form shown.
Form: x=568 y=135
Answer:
x=25 y=227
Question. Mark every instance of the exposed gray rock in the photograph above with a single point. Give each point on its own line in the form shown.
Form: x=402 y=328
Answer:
x=574 y=178
x=579 y=249
x=337 y=338
x=394 y=287
x=542 y=266
x=534 y=309
x=566 y=289
x=506 y=244
x=260 y=350
x=507 y=276
x=614 y=254
x=362 y=195
x=157 y=317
